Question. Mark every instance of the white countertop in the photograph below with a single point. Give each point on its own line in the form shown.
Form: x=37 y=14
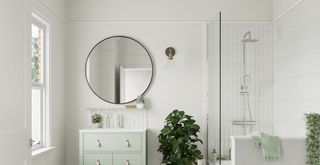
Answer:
x=114 y=130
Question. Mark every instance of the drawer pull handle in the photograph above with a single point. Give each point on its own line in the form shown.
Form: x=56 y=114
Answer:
x=98 y=162
x=98 y=143
x=127 y=162
x=127 y=144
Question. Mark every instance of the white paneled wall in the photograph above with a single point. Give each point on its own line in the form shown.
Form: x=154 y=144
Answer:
x=180 y=88
x=296 y=67
x=259 y=66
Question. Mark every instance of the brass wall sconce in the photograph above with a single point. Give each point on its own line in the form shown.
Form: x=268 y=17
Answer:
x=170 y=52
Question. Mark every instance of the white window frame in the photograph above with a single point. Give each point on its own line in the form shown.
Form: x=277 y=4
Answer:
x=44 y=86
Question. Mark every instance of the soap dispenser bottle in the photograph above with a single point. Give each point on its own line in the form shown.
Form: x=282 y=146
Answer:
x=108 y=120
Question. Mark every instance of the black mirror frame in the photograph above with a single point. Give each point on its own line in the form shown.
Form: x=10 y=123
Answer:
x=120 y=36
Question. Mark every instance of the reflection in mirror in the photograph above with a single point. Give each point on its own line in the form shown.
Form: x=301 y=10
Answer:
x=119 y=69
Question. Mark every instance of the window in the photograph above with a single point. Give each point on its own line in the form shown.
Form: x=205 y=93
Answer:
x=40 y=84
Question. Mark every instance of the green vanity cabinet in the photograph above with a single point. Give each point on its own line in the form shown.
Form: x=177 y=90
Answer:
x=97 y=159
x=131 y=159
x=113 y=147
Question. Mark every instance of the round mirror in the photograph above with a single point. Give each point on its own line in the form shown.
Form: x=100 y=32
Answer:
x=119 y=69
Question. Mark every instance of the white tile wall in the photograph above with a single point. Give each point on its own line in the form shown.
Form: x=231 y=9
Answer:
x=131 y=118
x=285 y=68
x=259 y=65
x=296 y=68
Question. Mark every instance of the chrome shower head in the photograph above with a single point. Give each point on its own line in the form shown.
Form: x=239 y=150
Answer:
x=247 y=38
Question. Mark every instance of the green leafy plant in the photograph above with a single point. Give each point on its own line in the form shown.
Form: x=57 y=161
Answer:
x=178 y=140
x=313 y=138
x=96 y=118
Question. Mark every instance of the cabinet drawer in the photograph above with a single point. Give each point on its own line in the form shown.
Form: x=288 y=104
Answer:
x=97 y=159
x=127 y=159
x=116 y=142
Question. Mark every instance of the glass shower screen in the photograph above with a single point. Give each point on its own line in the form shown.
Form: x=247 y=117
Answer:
x=240 y=83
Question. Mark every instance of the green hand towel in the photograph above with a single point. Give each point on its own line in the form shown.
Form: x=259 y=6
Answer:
x=270 y=145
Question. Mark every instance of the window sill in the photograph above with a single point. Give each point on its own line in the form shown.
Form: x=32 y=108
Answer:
x=41 y=151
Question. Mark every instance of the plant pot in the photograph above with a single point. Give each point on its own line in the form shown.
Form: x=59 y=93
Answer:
x=140 y=106
x=97 y=125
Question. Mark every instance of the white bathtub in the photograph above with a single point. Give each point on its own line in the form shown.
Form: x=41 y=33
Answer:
x=223 y=162
x=243 y=152
x=226 y=162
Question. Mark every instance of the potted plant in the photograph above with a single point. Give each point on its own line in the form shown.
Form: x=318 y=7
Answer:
x=96 y=120
x=313 y=138
x=140 y=102
x=178 y=140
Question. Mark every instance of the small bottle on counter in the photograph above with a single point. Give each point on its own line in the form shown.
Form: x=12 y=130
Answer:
x=120 y=121
x=117 y=121
x=108 y=121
